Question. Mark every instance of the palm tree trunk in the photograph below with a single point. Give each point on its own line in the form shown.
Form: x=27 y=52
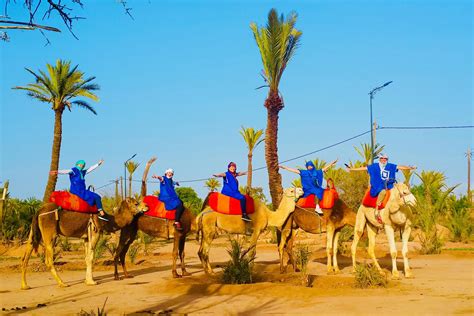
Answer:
x=58 y=130
x=273 y=104
x=249 y=172
x=130 y=185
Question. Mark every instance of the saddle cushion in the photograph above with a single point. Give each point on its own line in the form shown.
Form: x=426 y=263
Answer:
x=156 y=208
x=228 y=205
x=71 y=202
x=329 y=197
x=370 y=201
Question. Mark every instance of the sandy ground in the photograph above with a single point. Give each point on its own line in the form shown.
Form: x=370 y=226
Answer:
x=443 y=285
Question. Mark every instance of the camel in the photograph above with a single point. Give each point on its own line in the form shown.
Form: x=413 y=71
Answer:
x=306 y=219
x=394 y=216
x=51 y=221
x=156 y=227
x=209 y=221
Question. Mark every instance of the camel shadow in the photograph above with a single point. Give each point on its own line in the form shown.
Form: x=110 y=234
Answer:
x=342 y=261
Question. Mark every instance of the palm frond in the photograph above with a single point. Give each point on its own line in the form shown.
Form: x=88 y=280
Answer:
x=84 y=105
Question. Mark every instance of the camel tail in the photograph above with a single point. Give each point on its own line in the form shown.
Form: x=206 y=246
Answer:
x=35 y=232
x=145 y=175
x=199 y=227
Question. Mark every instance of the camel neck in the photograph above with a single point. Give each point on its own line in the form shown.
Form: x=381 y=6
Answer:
x=277 y=218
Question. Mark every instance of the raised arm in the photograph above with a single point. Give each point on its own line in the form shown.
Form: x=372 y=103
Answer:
x=64 y=171
x=157 y=177
x=219 y=175
x=290 y=169
x=243 y=173
x=406 y=167
x=356 y=169
x=93 y=167
x=329 y=165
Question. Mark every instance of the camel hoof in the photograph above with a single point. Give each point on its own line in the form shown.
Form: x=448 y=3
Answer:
x=186 y=273
x=128 y=276
x=337 y=271
x=25 y=287
x=117 y=278
x=330 y=272
x=409 y=275
x=91 y=283
x=63 y=285
x=395 y=276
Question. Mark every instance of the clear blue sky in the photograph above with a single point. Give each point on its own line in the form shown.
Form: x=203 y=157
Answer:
x=179 y=81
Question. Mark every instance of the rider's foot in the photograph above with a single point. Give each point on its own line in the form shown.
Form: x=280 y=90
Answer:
x=178 y=226
x=246 y=218
x=102 y=216
x=318 y=210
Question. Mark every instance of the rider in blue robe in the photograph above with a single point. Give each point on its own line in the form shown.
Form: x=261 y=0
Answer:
x=169 y=196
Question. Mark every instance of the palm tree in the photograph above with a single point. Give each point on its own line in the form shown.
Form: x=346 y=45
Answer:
x=432 y=182
x=252 y=139
x=365 y=152
x=407 y=174
x=131 y=167
x=60 y=86
x=277 y=43
x=212 y=184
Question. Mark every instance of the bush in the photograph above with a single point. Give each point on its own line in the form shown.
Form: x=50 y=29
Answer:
x=459 y=219
x=146 y=240
x=347 y=233
x=302 y=255
x=239 y=269
x=426 y=218
x=18 y=217
x=101 y=247
x=133 y=252
x=190 y=199
x=64 y=244
x=367 y=275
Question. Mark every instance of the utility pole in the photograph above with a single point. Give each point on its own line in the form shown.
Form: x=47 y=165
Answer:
x=372 y=132
x=121 y=188
x=469 y=157
x=117 y=198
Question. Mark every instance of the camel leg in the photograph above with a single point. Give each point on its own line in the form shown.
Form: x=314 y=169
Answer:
x=24 y=261
x=253 y=243
x=335 y=249
x=286 y=234
x=358 y=231
x=329 y=248
x=207 y=238
x=182 y=243
x=393 y=249
x=89 y=250
x=127 y=236
x=49 y=259
x=289 y=249
x=175 y=254
x=371 y=234
x=405 y=237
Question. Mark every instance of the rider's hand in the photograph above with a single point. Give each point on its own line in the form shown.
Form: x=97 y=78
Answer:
x=101 y=161
x=53 y=172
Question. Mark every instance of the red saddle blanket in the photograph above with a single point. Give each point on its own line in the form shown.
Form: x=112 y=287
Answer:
x=369 y=201
x=224 y=204
x=156 y=208
x=71 y=202
x=329 y=197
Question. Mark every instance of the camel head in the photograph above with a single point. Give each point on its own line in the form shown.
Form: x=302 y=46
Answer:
x=293 y=193
x=400 y=198
x=128 y=209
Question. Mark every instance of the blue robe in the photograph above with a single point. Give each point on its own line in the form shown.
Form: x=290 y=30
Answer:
x=168 y=194
x=78 y=187
x=231 y=186
x=312 y=181
x=379 y=179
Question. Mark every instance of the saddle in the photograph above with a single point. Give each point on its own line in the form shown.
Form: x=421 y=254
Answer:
x=330 y=195
x=156 y=208
x=224 y=204
x=370 y=201
x=71 y=202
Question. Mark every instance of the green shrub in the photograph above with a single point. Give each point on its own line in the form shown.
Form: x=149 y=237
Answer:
x=133 y=252
x=346 y=235
x=101 y=247
x=459 y=219
x=146 y=240
x=64 y=244
x=239 y=269
x=302 y=255
x=18 y=217
x=367 y=275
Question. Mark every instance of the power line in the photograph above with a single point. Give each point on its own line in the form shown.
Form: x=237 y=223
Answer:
x=426 y=127
x=327 y=147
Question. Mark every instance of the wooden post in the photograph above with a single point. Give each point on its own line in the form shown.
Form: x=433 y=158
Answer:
x=3 y=198
x=117 y=198
x=374 y=131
